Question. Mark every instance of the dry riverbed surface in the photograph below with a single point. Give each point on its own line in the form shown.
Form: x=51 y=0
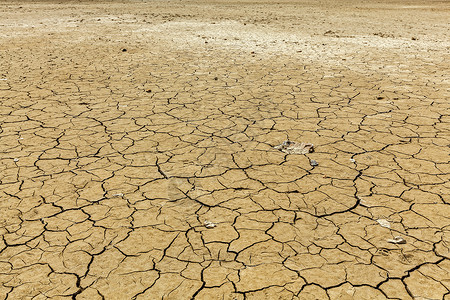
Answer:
x=137 y=155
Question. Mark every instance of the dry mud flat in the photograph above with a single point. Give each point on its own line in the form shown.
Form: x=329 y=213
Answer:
x=125 y=126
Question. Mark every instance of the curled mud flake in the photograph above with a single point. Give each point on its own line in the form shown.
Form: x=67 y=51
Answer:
x=290 y=147
x=397 y=240
x=313 y=163
x=384 y=223
x=15 y=159
x=209 y=224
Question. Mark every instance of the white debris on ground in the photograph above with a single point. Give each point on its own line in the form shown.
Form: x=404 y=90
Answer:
x=397 y=240
x=384 y=223
x=209 y=224
x=290 y=147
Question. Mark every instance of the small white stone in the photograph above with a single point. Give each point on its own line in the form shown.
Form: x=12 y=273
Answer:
x=363 y=202
x=352 y=160
x=118 y=195
x=397 y=240
x=15 y=159
x=384 y=223
x=209 y=224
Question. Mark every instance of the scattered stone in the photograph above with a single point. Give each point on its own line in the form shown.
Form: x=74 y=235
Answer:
x=148 y=91
x=413 y=38
x=216 y=78
x=15 y=159
x=124 y=50
x=313 y=163
x=330 y=32
x=352 y=160
x=3 y=79
x=397 y=240
x=209 y=224
x=384 y=223
x=384 y=35
x=290 y=147
x=380 y=98
x=363 y=202
x=118 y=195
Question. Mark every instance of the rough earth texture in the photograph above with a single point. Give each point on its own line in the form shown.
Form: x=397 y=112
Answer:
x=124 y=126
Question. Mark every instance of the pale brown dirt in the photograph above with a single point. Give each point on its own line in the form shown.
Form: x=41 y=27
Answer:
x=111 y=161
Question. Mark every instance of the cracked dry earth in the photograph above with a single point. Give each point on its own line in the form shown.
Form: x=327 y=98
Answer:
x=126 y=125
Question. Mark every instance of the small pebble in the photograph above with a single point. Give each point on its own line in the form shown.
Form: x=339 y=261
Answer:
x=209 y=224
x=118 y=195
x=124 y=50
x=384 y=223
x=352 y=160
x=15 y=159
x=313 y=163
x=397 y=240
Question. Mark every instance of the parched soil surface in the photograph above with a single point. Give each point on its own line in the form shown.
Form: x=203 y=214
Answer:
x=125 y=126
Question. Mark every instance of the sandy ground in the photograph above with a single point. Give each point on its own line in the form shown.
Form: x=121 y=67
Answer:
x=124 y=126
